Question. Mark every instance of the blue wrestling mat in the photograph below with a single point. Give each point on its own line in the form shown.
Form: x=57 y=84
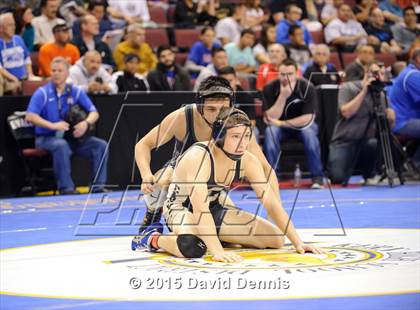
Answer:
x=74 y=252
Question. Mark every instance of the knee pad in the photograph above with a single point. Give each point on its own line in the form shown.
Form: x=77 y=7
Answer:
x=191 y=246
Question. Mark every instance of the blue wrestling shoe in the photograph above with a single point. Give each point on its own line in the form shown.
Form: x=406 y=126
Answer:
x=144 y=241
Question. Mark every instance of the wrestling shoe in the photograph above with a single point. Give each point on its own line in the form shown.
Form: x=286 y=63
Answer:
x=154 y=203
x=151 y=216
x=144 y=241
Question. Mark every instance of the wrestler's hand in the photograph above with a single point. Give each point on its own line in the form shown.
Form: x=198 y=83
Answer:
x=227 y=257
x=303 y=248
x=147 y=185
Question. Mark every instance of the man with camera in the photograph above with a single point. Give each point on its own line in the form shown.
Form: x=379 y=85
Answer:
x=354 y=136
x=62 y=114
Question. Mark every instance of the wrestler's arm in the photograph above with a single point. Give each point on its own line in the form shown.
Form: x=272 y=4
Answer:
x=269 y=172
x=158 y=136
x=254 y=172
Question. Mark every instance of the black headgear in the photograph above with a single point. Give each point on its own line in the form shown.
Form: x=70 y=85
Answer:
x=220 y=128
x=214 y=87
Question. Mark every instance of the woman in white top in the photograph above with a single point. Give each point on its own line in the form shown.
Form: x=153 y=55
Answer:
x=254 y=15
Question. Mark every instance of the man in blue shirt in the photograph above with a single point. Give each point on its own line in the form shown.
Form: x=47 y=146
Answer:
x=404 y=96
x=292 y=17
x=392 y=10
x=15 y=63
x=200 y=53
x=48 y=110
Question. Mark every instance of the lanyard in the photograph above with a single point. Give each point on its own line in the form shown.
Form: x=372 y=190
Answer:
x=67 y=90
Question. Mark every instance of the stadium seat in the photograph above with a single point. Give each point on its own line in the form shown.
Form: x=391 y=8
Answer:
x=335 y=60
x=156 y=37
x=181 y=58
x=185 y=38
x=348 y=58
x=35 y=62
x=351 y=3
x=29 y=87
x=244 y=81
x=387 y=59
x=170 y=14
x=34 y=159
x=318 y=37
x=158 y=15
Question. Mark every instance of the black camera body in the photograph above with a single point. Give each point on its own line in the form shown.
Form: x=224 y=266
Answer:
x=377 y=85
x=75 y=115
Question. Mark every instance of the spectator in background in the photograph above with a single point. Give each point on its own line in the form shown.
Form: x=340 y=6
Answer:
x=354 y=138
x=309 y=12
x=229 y=28
x=200 y=53
x=45 y=23
x=129 y=79
x=329 y=11
x=380 y=35
x=72 y=10
x=15 y=63
x=269 y=72
x=405 y=33
x=54 y=134
x=89 y=74
x=23 y=18
x=413 y=47
x=135 y=44
x=219 y=60
x=396 y=68
x=260 y=50
x=60 y=47
x=292 y=17
x=168 y=75
x=344 y=32
x=278 y=9
x=280 y=94
x=254 y=15
x=98 y=9
x=404 y=97
x=356 y=70
x=297 y=49
x=321 y=71
x=189 y=13
x=392 y=10
x=240 y=54
x=89 y=41
x=362 y=10
x=131 y=11
x=243 y=100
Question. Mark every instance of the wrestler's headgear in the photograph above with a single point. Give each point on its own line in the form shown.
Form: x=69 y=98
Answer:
x=214 y=87
x=228 y=118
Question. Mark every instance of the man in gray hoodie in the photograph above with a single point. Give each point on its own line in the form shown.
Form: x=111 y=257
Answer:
x=89 y=74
